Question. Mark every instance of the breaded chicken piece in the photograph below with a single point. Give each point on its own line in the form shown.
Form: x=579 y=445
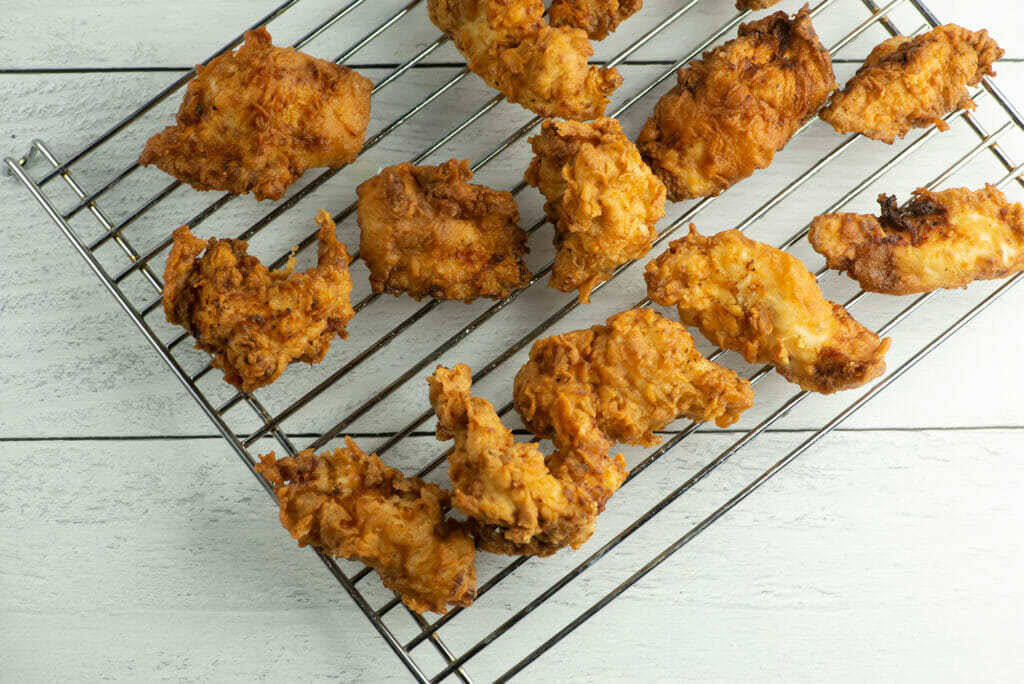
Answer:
x=601 y=197
x=735 y=108
x=755 y=4
x=256 y=119
x=635 y=374
x=514 y=50
x=519 y=501
x=252 y=320
x=939 y=239
x=597 y=17
x=910 y=83
x=426 y=232
x=761 y=302
x=350 y=505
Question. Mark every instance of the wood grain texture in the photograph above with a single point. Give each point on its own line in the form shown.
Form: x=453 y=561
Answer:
x=52 y=34
x=874 y=555
x=68 y=338
x=880 y=554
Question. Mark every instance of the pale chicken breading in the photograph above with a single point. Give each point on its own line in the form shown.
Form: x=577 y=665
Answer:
x=908 y=83
x=757 y=300
x=938 y=240
x=635 y=374
x=734 y=108
x=256 y=119
x=513 y=49
x=518 y=500
x=755 y=4
x=602 y=199
x=350 y=505
x=252 y=320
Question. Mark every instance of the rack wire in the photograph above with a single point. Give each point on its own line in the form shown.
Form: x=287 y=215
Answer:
x=138 y=205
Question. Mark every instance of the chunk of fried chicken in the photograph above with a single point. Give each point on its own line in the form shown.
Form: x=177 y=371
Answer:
x=735 y=108
x=755 y=4
x=256 y=119
x=597 y=17
x=635 y=374
x=939 y=239
x=426 y=232
x=350 y=505
x=601 y=197
x=252 y=320
x=519 y=501
x=908 y=83
x=514 y=50
x=747 y=296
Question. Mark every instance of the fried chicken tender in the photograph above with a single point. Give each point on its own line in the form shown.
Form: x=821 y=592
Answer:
x=939 y=239
x=350 y=505
x=735 y=108
x=514 y=50
x=755 y=4
x=252 y=320
x=427 y=232
x=601 y=197
x=635 y=374
x=763 y=303
x=256 y=119
x=910 y=83
x=518 y=501
x=597 y=17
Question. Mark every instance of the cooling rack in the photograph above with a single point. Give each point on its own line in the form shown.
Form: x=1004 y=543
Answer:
x=372 y=384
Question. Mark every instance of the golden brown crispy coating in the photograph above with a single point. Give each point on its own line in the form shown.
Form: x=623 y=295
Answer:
x=350 y=505
x=602 y=198
x=635 y=374
x=910 y=83
x=518 y=501
x=512 y=48
x=755 y=4
x=761 y=302
x=254 y=120
x=255 y=321
x=735 y=108
x=939 y=239
x=597 y=17
x=427 y=232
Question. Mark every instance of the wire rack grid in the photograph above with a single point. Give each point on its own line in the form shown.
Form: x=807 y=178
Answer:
x=369 y=379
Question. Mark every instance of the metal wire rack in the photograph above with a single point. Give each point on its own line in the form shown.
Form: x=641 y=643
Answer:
x=369 y=380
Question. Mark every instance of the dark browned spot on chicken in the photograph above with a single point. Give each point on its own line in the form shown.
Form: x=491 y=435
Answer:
x=916 y=219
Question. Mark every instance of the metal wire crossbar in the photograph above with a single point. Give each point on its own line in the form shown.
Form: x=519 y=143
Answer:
x=287 y=410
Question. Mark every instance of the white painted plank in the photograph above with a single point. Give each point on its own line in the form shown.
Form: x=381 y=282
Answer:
x=119 y=33
x=75 y=366
x=874 y=554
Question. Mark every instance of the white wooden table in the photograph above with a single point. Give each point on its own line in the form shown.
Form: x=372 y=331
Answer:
x=136 y=546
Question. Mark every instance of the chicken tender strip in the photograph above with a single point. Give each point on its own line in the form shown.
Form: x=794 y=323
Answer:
x=252 y=320
x=520 y=501
x=514 y=50
x=597 y=17
x=426 y=232
x=601 y=197
x=736 y=107
x=350 y=505
x=635 y=374
x=256 y=119
x=940 y=239
x=763 y=303
x=908 y=83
